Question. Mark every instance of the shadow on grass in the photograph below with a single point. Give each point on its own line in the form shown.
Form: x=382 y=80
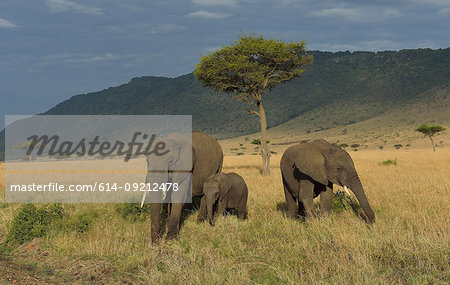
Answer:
x=282 y=207
x=341 y=202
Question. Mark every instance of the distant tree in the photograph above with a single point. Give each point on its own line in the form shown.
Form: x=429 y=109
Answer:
x=430 y=131
x=258 y=141
x=26 y=146
x=343 y=145
x=250 y=67
x=355 y=145
x=398 y=146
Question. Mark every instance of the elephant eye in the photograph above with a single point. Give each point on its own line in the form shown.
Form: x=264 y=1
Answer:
x=339 y=169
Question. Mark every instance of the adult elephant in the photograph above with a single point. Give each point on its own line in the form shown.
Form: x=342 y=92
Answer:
x=310 y=169
x=188 y=165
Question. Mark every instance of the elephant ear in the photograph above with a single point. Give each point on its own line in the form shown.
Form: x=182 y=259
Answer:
x=312 y=163
x=224 y=187
x=184 y=160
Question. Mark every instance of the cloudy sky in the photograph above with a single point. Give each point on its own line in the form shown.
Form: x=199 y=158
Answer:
x=53 y=49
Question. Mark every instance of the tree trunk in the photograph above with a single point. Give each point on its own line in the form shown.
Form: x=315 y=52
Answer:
x=265 y=152
x=432 y=144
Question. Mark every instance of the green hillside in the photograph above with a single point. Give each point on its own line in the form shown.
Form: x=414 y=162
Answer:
x=376 y=81
x=346 y=87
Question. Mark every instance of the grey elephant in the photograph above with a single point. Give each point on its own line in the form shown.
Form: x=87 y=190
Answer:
x=311 y=169
x=188 y=165
x=225 y=191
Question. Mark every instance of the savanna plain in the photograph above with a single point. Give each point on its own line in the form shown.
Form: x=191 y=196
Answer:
x=110 y=243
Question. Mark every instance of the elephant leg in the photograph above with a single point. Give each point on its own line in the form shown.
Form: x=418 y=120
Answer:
x=306 y=196
x=173 y=224
x=155 y=209
x=221 y=207
x=176 y=208
x=326 y=197
x=241 y=212
x=201 y=216
x=301 y=209
x=290 y=201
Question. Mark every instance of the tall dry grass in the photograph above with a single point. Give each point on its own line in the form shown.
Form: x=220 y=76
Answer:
x=409 y=242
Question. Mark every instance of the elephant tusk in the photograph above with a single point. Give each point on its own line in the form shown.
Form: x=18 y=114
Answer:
x=143 y=198
x=346 y=190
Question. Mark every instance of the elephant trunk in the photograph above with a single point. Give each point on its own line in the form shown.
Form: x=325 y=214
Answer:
x=356 y=186
x=155 y=204
x=210 y=201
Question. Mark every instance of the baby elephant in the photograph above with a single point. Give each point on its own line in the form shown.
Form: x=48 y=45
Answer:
x=225 y=191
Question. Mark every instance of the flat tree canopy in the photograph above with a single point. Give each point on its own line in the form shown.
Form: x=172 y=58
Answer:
x=251 y=66
x=430 y=131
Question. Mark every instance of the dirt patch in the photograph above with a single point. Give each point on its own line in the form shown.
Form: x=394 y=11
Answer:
x=29 y=264
x=14 y=272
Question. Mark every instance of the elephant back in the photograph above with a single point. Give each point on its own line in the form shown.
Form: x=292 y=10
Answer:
x=208 y=159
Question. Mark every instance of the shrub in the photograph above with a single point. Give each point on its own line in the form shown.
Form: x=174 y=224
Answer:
x=82 y=222
x=381 y=147
x=355 y=145
x=342 y=202
x=31 y=222
x=133 y=211
x=240 y=153
x=389 y=162
x=258 y=141
x=343 y=145
x=398 y=146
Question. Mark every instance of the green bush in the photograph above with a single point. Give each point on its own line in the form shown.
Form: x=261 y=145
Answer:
x=82 y=222
x=133 y=211
x=398 y=146
x=342 y=202
x=389 y=162
x=258 y=141
x=31 y=222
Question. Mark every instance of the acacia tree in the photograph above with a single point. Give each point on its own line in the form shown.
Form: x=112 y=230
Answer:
x=250 y=67
x=430 y=131
x=27 y=145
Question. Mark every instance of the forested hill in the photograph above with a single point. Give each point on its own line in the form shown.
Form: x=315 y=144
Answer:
x=377 y=82
x=372 y=83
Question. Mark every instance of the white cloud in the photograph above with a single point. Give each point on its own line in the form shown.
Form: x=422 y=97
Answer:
x=208 y=14
x=165 y=28
x=6 y=24
x=58 y=6
x=439 y=3
x=211 y=3
x=444 y=11
x=78 y=58
x=370 y=14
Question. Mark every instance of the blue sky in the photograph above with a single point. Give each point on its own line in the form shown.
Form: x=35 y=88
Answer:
x=51 y=50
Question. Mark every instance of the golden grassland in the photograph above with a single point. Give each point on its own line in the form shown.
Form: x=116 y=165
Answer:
x=409 y=242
